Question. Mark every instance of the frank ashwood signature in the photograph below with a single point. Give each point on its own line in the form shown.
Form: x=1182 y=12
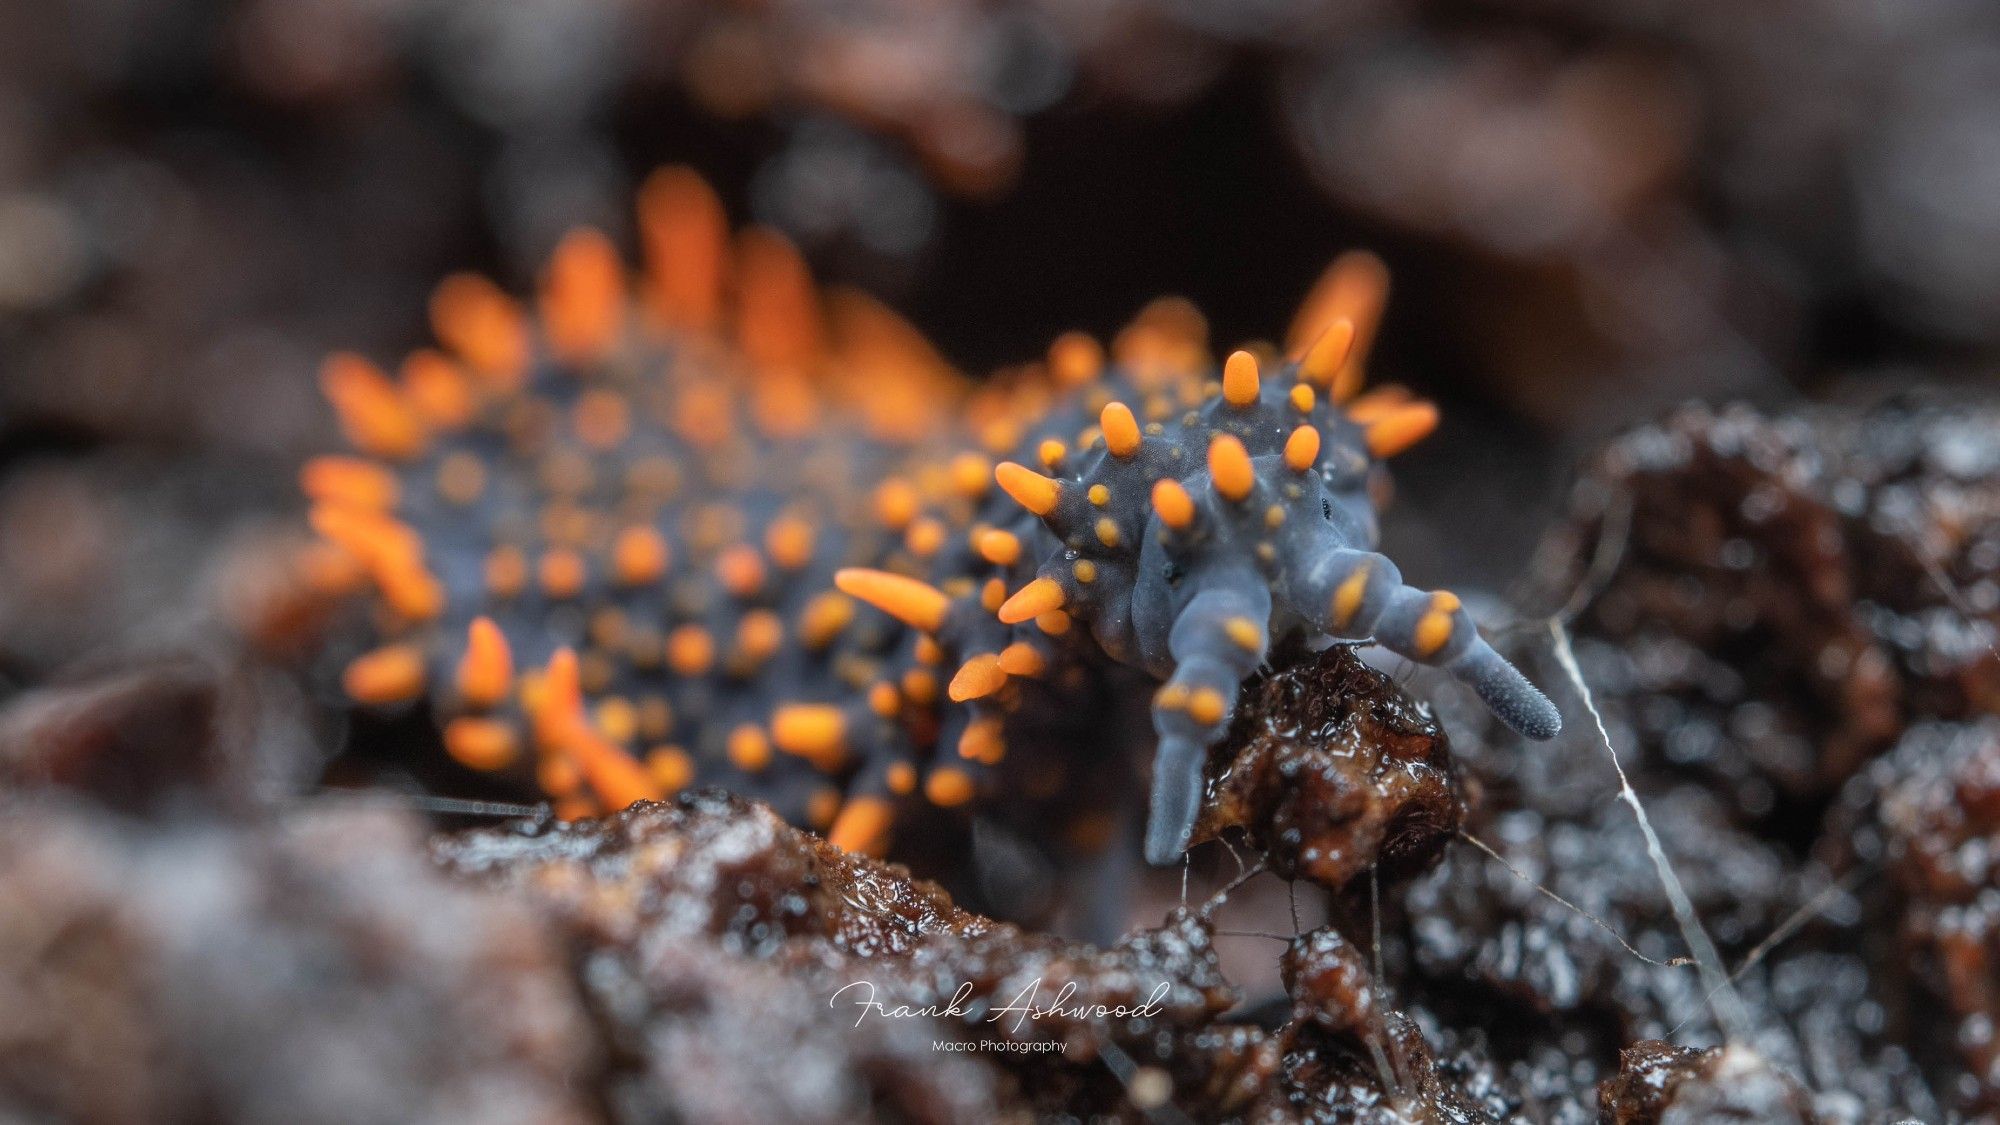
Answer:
x=1024 y=1006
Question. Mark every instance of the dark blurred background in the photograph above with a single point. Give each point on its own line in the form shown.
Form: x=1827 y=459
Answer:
x=1592 y=209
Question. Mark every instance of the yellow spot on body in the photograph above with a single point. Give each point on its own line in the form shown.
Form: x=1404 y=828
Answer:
x=1099 y=495
x=1347 y=596
x=654 y=476
x=758 y=637
x=1172 y=502
x=558 y=777
x=993 y=595
x=639 y=556
x=437 y=389
x=928 y=651
x=1434 y=628
x=1274 y=517
x=1085 y=571
x=705 y=415
x=822 y=806
x=566 y=472
x=741 y=570
x=902 y=778
x=1107 y=531
x=919 y=686
x=349 y=481
x=561 y=573
x=816 y=732
x=885 y=700
x=617 y=719
x=1244 y=633
x=1303 y=398
x=671 y=768
x=392 y=674
x=506 y=572
x=690 y=650
x=607 y=627
x=1022 y=659
x=749 y=749
x=925 y=537
x=863 y=826
x=602 y=419
x=823 y=619
x=1075 y=359
x=896 y=503
x=656 y=717
x=481 y=744
x=1001 y=548
x=1051 y=452
x=1205 y=706
x=949 y=788
x=983 y=742
x=1055 y=622
x=1171 y=697
x=971 y=474
x=789 y=540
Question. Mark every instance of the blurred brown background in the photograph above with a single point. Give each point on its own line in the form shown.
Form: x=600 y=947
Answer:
x=1593 y=209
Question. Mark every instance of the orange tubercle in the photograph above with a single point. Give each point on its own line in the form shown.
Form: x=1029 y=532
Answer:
x=349 y=481
x=1241 y=386
x=1401 y=429
x=373 y=413
x=639 y=556
x=484 y=327
x=437 y=389
x=1302 y=449
x=816 y=732
x=949 y=788
x=1022 y=659
x=1030 y=489
x=1041 y=596
x=392 y=674
x=583 y=298
x=1172 y=502
x=863 y=826
x=741 y=570
x=486 y=672
x=1229 y=467
x=685 y=237
x=1121 y=429
x=916 y=604
x=778 y=318
x=481 y=744
x=977 y=678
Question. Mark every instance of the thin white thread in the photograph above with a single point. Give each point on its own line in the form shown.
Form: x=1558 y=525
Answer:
x=1730 y=1015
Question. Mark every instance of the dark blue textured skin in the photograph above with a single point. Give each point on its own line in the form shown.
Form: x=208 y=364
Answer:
x=1160 y=601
